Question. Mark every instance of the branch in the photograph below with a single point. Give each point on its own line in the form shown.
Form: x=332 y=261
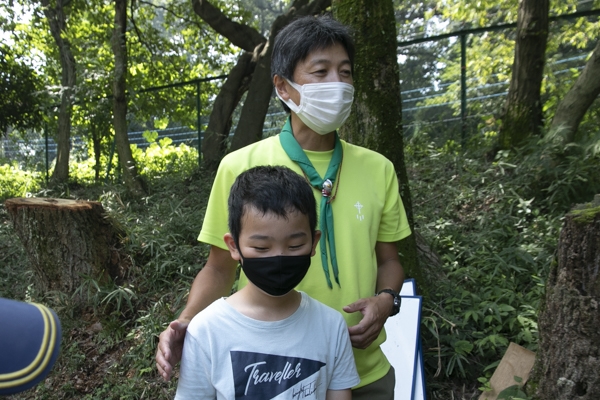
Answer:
x=138 y=33
x=298 y=7
x=169 y=11
x=240 y=35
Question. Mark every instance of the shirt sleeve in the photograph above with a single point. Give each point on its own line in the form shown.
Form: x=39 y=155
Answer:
x=394 y=223
x=345 y=375
x=215 y=224
x=195 y=372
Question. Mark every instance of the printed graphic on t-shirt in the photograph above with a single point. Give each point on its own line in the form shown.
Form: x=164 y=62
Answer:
x=359 y=216
x=266 y=376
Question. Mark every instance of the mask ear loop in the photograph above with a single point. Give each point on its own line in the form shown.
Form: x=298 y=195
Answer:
x=239 y=249
x=294 y=107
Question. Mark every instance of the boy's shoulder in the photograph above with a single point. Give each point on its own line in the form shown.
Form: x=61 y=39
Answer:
x=315 y=306
x=209 y=316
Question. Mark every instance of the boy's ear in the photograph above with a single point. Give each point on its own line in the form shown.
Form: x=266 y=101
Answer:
x=233 y=250
x=316 y=238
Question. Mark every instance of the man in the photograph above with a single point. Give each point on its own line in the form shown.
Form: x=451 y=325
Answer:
x=356 y=270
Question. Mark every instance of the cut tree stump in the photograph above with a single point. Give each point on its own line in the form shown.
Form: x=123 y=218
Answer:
x=568 y=359
x=66 y=240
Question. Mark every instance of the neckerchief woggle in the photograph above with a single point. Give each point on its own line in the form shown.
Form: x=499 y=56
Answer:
x=324 y=185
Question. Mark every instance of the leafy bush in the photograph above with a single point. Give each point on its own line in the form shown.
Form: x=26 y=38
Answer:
x=14 y=182
x=496 y=236
x=163 y=158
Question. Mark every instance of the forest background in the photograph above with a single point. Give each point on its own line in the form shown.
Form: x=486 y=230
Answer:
x=486 y=214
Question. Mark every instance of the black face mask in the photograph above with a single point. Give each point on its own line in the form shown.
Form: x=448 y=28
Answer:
x=276 y=275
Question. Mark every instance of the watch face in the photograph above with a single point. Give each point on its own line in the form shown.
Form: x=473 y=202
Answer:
x=396 y=308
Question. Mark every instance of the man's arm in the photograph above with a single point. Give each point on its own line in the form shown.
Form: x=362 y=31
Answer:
x=376 y=309
x=345 y=394
x=212 y=282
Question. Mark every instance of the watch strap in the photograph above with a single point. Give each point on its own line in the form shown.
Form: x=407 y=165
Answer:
x=397 y=300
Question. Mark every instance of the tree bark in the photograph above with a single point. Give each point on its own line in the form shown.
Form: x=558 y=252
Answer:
x=119 y=46
x=578 y=100
x=568 y=359
x=214 y=145
x=66 y=240
x=243 y=36
x=57 y=21
x=376 y=118
x=523 y=115
x=250 y=126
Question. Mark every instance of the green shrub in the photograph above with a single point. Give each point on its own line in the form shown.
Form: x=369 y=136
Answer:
x=496 y=245
x=163 y=158
x=14 y=182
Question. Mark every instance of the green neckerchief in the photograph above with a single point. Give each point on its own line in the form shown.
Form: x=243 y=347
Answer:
x=295 y=152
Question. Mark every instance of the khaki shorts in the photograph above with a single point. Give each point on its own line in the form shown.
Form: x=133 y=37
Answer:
x=383 y=389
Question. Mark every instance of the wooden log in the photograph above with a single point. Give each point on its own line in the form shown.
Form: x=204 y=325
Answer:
x=66 y=240
x=568 y=359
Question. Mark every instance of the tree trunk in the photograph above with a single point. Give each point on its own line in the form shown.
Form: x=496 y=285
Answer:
x=57 y=21
x=66 y=240
x=119 y=45
x=568 y=359
x=578 y=100
x=250 y=126
x=523 y=115
x=376 y=118
x=214 y=145
x=97 y=146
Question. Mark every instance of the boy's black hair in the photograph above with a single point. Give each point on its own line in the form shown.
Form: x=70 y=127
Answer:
x=299 y=38
x=275 y=189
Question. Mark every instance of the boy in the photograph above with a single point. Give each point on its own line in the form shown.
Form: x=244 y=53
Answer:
x=267 y=340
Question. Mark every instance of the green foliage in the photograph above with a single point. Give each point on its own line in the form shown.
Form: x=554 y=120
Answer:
x=15 y=182
x=163 y=157
x=495 y=227
x=20 y=87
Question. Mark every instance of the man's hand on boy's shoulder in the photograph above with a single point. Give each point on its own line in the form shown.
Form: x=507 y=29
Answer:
x=170 y=348
x=375 y=311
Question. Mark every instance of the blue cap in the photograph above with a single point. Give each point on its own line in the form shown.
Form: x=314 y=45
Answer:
x=30 y=336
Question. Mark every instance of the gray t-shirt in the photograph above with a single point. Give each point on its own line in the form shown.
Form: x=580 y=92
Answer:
x=227 y=355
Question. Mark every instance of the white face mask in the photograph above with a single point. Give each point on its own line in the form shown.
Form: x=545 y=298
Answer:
x=323 y=106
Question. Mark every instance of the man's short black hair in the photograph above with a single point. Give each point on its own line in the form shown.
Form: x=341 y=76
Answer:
x=270 y=189
x=301 y=37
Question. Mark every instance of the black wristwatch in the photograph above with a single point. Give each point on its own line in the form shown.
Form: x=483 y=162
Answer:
x=397 y=300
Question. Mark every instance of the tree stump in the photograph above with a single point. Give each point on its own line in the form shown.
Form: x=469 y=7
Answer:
x=66 y=240
x=568 y=359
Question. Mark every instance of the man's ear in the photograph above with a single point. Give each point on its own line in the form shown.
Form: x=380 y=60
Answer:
x=233 y=250
x=316 y=238
x=281 y=87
